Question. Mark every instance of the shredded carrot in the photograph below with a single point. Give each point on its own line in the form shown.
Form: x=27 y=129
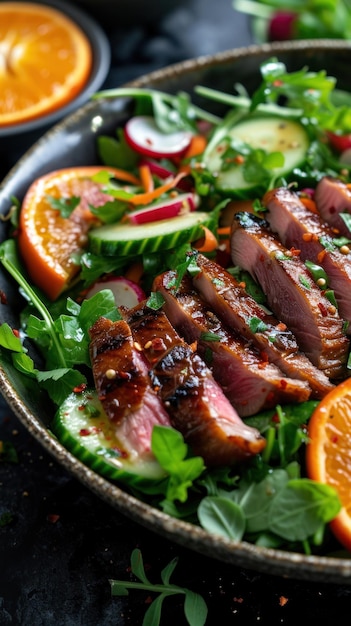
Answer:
x=197 y=145
x=120 y=174
x=149 y=196
x=309 y=204
x=135 y=272
x=224 y=231
x=207 y=243
x=146 y=179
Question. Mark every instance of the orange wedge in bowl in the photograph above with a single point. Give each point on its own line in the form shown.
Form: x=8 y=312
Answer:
x=45 y=61
x=328 y=454
x=46 y=239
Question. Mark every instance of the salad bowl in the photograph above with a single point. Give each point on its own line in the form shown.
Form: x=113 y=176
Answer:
x=73 y=142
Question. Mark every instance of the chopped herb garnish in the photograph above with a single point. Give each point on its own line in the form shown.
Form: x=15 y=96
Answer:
x=257 y=325
x=155 y=301
x=208 y=336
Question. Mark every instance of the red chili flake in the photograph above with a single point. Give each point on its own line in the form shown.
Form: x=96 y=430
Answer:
x=276 y=418
x=239 y=159
x=295 y=251
x=283 y=383
x=52 y=518
x=281 y=326
x=264 y=356
x=84 y=432
x=270 y=396
x=79 y=388
x=334 y=439
x=283 y=600
x=242 y=285
x=81 y=407
x=3 y=297
x=15 y=332
x=322 y=309
x=278 y=83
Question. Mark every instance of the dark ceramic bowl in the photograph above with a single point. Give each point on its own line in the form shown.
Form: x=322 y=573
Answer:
x=73 y=142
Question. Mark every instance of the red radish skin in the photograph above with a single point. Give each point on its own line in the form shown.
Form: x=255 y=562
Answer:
x=165 y=210
x=126 y=293
x=281 y=26
x=162 y=172
x=144 y=137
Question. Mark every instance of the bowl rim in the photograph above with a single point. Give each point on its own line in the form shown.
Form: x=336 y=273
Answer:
x=331 y=569
x=101 y=54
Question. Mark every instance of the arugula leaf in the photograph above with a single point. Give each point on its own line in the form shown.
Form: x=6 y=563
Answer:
x=195 y=608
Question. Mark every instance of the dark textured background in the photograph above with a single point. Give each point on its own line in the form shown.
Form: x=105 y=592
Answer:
x=63 y=544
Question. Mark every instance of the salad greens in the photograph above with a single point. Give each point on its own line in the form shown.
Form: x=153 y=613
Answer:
x=310 y=19
x=268 y=501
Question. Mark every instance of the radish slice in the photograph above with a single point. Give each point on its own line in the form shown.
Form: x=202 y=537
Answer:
x=127 y=293
x=145 y=137
x=156 y=168
x=162 y=172
x=165 y=209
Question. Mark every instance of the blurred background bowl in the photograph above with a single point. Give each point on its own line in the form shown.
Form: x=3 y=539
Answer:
x=19 y=137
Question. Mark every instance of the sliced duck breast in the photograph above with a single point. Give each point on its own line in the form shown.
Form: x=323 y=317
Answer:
x=333 y=197
x=249 y=382
x=299 y=228
x=123 y=385
x=229 y=300
x=291 y=293
x=194 y=401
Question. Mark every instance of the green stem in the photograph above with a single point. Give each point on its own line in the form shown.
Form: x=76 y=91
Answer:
x=169 y=590
x=129 y=92
x=245 y=102
x=32 y=296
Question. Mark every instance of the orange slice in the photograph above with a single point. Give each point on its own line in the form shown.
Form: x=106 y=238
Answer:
x=45 y=61
x=328 y=455
x=47 y=240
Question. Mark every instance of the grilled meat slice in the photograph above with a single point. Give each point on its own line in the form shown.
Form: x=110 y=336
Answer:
x=301 y=229
x=195 y=403
x=229 y=300
x=291 y=293
x=333 y=197
x=250 y=383
x=123 y=385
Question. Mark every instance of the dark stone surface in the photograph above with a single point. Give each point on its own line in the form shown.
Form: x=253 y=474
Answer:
x=62 y=544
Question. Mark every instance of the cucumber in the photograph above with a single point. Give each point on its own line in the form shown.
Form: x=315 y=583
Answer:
x=82 y=426
x=122 y=239
x=271 y=134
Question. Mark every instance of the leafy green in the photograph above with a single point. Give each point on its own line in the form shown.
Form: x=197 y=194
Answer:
x=172 y=454
x=195 y=609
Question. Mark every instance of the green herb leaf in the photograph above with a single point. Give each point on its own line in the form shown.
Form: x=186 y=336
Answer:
x=222 y=516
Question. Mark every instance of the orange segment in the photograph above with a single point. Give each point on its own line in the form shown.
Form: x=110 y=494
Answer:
x=328 y=455
x=46 y=239
x=45 y=61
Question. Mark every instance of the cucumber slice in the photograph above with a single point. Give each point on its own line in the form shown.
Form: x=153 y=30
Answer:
x=84 y=429
x=272 y=134
x=133 y=239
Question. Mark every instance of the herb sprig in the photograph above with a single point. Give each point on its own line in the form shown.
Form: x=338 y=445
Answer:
x=195 y=609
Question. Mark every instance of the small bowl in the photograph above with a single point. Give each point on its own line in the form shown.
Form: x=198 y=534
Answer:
x=73 y=142
x=17 y=138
